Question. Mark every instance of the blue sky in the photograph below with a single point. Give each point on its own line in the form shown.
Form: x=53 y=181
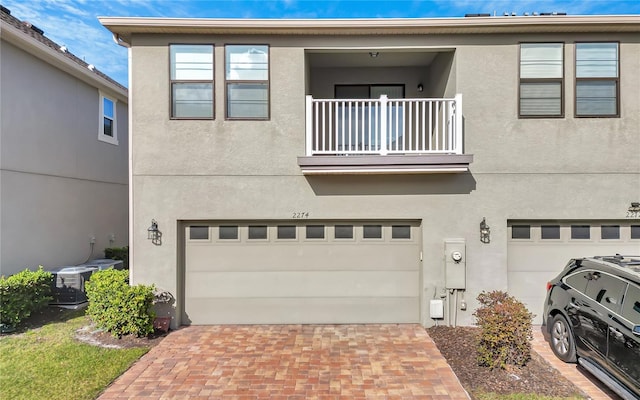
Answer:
x=74 y=23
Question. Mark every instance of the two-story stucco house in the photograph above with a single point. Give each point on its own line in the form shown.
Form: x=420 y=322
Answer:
x=354 y=171
x=63 y=154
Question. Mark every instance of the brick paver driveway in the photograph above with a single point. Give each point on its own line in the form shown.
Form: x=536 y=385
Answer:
x=291 y=362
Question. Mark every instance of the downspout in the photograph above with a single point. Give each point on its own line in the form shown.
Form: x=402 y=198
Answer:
x=120 y=42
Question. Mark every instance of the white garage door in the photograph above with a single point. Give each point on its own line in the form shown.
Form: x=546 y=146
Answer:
x=539 y=250
x=311 y=272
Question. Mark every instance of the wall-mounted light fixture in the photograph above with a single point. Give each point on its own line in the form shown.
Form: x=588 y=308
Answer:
x=485 y=231
x=154 y=234
x=373 y=54
x=420 y=88
x=634 y=210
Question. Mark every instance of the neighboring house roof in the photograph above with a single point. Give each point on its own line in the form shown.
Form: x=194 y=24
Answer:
x=32 y=39
x=124 y=27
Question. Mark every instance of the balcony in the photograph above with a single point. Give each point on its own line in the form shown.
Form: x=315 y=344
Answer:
x=384 y=136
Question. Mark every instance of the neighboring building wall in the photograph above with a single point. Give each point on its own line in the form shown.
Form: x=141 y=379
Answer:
x=60 y=185
x=560 y=168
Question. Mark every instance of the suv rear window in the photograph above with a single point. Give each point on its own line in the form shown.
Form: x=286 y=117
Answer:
x=578 y=281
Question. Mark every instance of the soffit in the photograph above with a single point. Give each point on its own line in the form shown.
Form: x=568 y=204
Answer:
x=125 y=27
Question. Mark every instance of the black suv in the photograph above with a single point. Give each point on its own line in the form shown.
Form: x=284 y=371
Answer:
x=592 y=316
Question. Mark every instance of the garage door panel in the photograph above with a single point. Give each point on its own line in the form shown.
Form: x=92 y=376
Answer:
x=303 y=284
x=328 y=280
x=534 y=260
x=270 y=256
x=302 y=310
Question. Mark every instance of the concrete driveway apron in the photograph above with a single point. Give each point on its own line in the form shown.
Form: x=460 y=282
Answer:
x=291 y=362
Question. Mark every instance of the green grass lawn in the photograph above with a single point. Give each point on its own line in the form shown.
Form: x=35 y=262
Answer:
x=47 y=363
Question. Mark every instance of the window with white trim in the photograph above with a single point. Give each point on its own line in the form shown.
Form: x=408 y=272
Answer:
x=247 y=81
x=191 y=81
x=107 y=131
x=541 y=80
x=597 y=79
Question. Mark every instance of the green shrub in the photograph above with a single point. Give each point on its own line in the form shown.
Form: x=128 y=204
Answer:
x=23 y=293
x=505 y=330
x=118 y=253
x=117 y=307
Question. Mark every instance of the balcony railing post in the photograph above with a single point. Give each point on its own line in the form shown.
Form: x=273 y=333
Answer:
x=383 y=124
x=309 y=125
x=458 y=127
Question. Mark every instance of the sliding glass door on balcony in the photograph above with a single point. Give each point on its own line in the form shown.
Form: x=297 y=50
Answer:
x=358 y=119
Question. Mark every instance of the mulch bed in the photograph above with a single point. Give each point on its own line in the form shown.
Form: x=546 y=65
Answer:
x=458 y=346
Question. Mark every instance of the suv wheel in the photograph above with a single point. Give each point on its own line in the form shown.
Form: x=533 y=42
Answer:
x=562 y=342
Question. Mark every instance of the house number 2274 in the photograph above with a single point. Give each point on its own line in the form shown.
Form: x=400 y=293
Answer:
x=301 y=214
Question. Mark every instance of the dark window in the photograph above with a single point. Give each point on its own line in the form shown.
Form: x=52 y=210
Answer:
x=344 y=232
x=631 y=305
x=286 y=231
x=257 y=232
x=521 y=232
x=610 y=231
x=228 y=232
x=578 y=281
x=191 y=81
x=597 y=74
x=635 y=231
x=550 y=231
x=199 y=232
x=315 y=231
x=580 y=232
x=401 y=232
x=372 y=231
x=107 y=132
x=247 y=80
x=108 y=127
x=606 y=290
x=541 y=76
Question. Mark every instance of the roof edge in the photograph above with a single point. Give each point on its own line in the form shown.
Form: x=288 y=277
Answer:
x=125 y=26
x=17 y=37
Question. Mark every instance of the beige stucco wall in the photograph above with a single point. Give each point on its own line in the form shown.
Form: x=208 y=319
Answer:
x=60 y=185
x=564 y=168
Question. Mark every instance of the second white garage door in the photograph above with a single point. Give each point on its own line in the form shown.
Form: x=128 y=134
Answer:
x=539 y=250
x=311 y=272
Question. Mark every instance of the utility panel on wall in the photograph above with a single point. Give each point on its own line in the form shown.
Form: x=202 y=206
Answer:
x=455 y=265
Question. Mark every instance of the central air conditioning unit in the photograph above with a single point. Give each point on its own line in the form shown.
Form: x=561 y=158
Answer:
x=104 y=263
x=68 y=284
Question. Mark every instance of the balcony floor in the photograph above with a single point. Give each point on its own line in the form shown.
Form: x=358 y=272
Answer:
x=389 y=164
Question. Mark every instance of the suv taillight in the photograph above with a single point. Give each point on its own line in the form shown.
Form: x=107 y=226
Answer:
x=549 y=285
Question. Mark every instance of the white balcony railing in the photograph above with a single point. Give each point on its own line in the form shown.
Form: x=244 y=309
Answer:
x=383 y=126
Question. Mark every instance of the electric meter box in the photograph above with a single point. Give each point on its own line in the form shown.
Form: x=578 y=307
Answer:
x=455 y=264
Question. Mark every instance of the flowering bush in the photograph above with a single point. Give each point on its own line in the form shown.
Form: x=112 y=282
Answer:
x=505 y=336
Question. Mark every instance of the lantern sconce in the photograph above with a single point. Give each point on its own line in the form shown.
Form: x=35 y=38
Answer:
x=154 y=234
x=420 y=88
x=485 y=231
x=634 y=210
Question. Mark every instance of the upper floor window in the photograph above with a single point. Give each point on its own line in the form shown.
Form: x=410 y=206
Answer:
x=191 y=81
x=247 y=81
x=107 y=131
x=597 y=73
x=541 y=80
